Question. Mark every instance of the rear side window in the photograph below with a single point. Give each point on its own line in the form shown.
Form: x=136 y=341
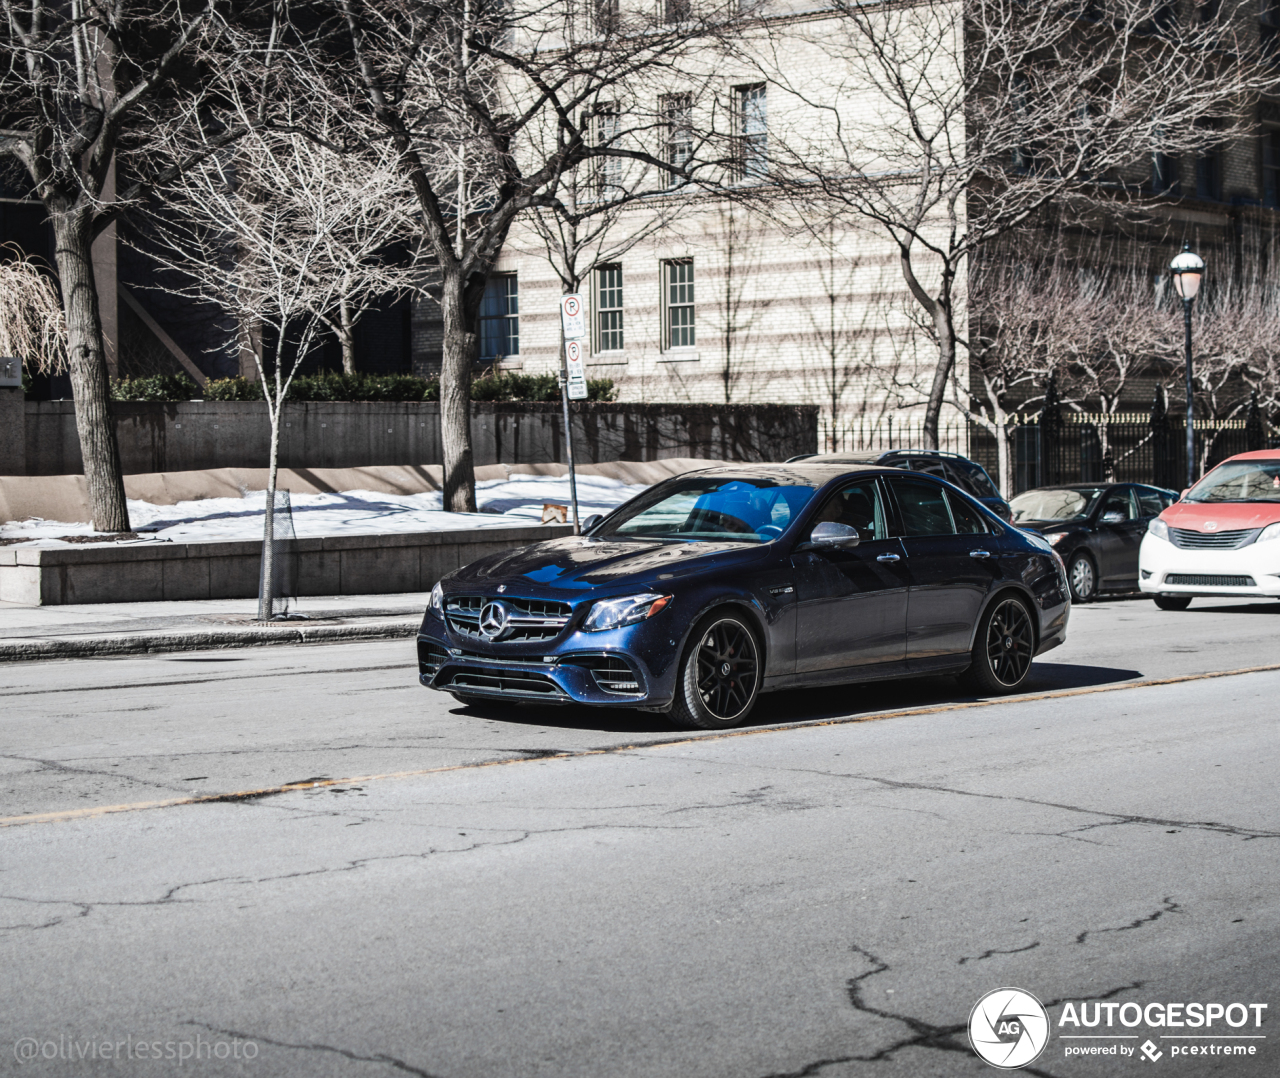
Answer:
x=930 y=466
x=923 y=507
x=859 y=506
x=1151 y=502
x=975 y=481
x=967 y=519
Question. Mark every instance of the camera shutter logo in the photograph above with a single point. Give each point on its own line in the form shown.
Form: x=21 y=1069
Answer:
x=1008 y=1028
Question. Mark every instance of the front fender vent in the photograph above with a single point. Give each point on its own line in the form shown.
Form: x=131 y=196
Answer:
x=610 y=673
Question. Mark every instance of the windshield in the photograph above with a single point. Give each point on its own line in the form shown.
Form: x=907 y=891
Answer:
x=1239 y=481
x=737 y=510
x=1054 y=504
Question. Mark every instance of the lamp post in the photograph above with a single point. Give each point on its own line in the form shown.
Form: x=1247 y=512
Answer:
x=1188 y=271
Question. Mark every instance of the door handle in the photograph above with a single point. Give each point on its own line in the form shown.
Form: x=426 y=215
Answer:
x=887 y=557
x=979 y=553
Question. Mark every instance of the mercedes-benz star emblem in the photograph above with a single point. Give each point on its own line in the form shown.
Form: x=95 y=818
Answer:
x=493 y=620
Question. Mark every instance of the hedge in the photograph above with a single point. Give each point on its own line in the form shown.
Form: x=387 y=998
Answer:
x=354 y=387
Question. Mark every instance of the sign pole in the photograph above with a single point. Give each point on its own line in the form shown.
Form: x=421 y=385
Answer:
x=573 y=384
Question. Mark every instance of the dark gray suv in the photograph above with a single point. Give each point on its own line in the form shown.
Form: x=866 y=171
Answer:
x=964 y=473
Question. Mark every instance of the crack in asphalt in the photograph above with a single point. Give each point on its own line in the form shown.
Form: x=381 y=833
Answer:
x=1170 y=906
x=346 y=1053
x=993 y=951
x=945 y=1038
x=86 y=908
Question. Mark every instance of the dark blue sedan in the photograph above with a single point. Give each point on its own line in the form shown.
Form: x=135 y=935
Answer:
x=715 y=586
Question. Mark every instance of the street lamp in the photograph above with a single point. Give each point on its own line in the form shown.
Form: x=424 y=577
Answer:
x=1188 y=270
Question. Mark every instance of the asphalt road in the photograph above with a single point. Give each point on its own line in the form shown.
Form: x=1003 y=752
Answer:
x=573 y=892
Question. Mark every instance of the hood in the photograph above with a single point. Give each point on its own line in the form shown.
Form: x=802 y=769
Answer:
x=579 y=562
x=1221 y=516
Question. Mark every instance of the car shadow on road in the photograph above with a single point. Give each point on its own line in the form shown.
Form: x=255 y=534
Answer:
x=805 y=705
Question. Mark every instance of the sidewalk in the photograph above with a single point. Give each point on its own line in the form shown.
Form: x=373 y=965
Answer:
x=68 y=632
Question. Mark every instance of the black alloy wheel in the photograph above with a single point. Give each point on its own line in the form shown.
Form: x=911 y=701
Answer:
x=1083 y=578
x=1004 y=648
x=719 y=676
x=1173 y=602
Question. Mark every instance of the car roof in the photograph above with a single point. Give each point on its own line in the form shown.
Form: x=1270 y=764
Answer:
x=875 y=456
x=1257 y=454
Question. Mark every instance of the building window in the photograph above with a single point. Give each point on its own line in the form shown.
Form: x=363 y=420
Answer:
x=677 y=120
x=609 y=169
x=606 y=14
x=609 y=309
x=1209 y=175
x=1271 y=168
x=751 y=107
x=1164 y=174
x=677 y=304
x=500 y=318
x=676 y=11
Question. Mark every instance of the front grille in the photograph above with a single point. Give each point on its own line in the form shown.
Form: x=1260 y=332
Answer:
x=610 y=673
x=530 y=619
x=430 y=658
x=1203 y=580
x=1193 y=540
x=516 y=683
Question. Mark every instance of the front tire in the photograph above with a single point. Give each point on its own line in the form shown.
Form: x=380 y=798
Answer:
x=720 y=673
x=1173 y=602
x=1082 y=575
x=1003 y=649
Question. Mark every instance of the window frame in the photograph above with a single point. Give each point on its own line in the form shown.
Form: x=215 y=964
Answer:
x=745 y=139
x=667 y=306
x=601 y=314
x=676 y=111
x=511 y=318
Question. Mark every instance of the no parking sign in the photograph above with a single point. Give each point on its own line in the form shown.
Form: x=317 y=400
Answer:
x=574 y=354
x=573 y=316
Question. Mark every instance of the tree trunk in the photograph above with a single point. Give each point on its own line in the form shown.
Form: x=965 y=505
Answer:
x=90 y=384
x=267 y=578
x=461 y=344
x=1002 y=456
x=347 y=335
x=946 y=334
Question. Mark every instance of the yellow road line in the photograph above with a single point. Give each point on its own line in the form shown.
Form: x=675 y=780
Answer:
x=875 y=716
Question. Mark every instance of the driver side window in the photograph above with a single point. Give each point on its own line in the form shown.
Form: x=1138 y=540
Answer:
x=1119 y=501
x=859 y=506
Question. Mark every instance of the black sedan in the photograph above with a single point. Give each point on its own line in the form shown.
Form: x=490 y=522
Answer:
x=714 y=586
x=968 y=475
x=1096 y=528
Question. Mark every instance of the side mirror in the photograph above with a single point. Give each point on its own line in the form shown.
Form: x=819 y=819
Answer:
x=591 y=522
x=829 y=535
x=1114 y=517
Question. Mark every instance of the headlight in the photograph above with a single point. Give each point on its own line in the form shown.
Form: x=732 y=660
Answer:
x=1160 y=529
x=628 y=610
x=1055 y=538
x=435 y=604
x=1271 y=531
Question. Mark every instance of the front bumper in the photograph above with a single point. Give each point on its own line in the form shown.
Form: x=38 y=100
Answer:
x=1253 y=570
x=599 y=669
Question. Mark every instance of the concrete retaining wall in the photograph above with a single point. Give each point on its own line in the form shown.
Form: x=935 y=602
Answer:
x=335 y=565
x=197 y=435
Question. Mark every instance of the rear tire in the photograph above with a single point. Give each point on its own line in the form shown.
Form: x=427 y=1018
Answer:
x=720 y=673
x=1173 y=602
x=1082 y=575
x=1003 y=648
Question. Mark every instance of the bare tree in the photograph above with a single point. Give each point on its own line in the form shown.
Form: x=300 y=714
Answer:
x=87 y=84
x=279 y=230
x=946 y=125
x=32 y=324
x=488 y=107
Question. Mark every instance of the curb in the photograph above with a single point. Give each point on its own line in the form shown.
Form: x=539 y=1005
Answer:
x=85 y=647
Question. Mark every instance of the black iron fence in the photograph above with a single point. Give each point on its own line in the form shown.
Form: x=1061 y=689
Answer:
x=1082 y=447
